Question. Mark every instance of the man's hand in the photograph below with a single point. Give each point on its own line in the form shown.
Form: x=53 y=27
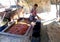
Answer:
x=38 y=17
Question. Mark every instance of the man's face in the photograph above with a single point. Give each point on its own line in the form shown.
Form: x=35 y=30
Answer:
x=35 y=7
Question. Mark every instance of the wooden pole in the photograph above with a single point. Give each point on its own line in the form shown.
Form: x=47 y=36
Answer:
x=56 y=9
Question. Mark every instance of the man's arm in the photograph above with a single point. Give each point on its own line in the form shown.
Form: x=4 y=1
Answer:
x=38 y=17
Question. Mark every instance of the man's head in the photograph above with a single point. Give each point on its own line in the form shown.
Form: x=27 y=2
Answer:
x=35 y=6
x=22 y=7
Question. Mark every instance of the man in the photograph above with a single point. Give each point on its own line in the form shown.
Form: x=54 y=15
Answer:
x=33 y=13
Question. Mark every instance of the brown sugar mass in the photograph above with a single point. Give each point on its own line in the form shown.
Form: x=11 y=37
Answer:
x=19 y=29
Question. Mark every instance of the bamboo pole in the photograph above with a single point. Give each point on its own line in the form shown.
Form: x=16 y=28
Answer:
x=56 y=9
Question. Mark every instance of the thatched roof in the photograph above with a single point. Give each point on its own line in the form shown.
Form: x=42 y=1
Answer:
x=52 y=1
x=43 y=5
x=55 y=1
